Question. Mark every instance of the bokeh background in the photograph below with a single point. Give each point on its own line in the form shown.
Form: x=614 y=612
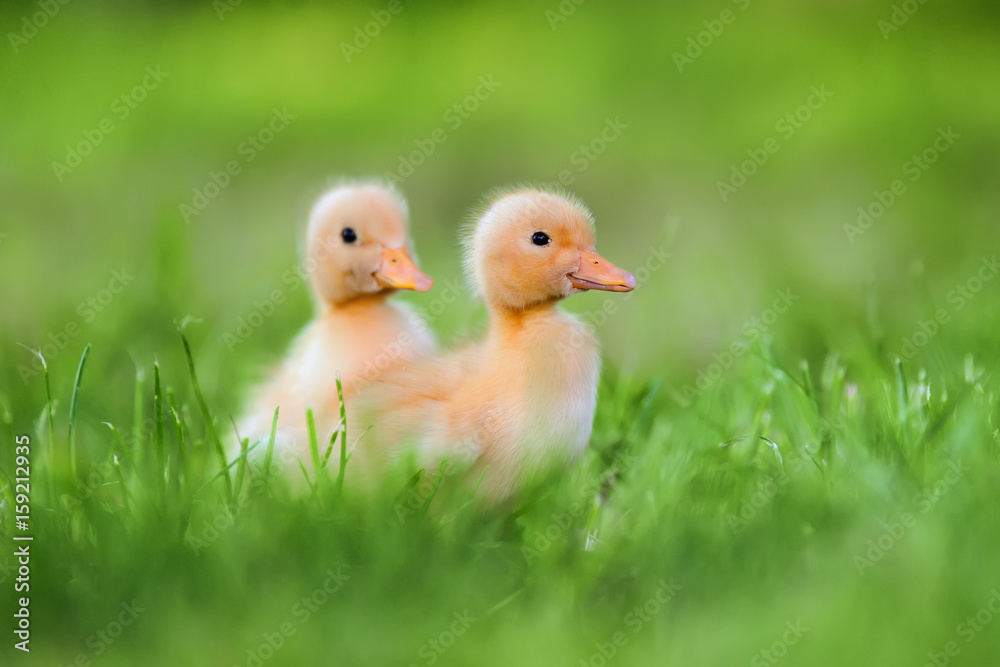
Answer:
x=563 y=71
x=654 y=184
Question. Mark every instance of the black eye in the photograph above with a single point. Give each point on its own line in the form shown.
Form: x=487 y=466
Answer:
x=540 y=238
x=348 y=235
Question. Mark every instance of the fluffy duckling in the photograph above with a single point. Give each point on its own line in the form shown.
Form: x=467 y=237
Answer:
x=521 y=402
x=356 y=257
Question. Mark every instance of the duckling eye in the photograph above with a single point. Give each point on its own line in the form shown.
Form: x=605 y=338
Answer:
x=540 y=238
x=348 y=235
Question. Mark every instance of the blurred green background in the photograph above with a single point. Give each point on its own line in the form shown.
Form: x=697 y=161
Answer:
x=562 y=71
x=685 y=131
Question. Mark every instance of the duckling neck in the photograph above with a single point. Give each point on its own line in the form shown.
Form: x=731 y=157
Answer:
x=359 y=305
x=546 y=363
x=541 y=333
x=509 y=323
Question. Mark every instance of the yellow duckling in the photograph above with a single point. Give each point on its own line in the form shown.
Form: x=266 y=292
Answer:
x=521 y=402
x=356 y=244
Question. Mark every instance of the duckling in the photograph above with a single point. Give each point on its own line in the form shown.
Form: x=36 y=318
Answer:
x=356 y=257
x=520 y=403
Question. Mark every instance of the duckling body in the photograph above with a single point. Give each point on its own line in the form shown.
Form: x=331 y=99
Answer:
x=356 y=259
x=358 y=342
x=519 y=404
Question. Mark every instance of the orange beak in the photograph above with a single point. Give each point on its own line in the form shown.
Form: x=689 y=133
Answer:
x=398 y=271
x=595 y=272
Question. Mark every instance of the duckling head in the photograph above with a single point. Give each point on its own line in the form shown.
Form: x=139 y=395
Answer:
x=532 y=247
x=358 y=245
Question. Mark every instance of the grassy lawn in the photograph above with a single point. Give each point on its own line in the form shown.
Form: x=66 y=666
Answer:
x=796 y=451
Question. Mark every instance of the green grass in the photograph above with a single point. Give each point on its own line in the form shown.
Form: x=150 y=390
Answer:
x=755 y=505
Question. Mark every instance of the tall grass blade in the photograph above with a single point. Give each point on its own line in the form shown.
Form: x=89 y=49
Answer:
x=901 y=394
x=438 y=478
x=126 y=452
x=314 y=450
x=220 y=451
x=50 y=418
x=269 y=454
x=72 y=410
x=139 y=416
x=241 y=466
x=343 y=437
x=161 y=464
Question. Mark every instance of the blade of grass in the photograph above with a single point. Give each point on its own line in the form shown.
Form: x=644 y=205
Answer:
x=50 y=414
x=314 y=454
x=313 y=442
x=158 y=433
x=241 y=466
x=121 y=443
x=72 y=410
x=220 y=451
x=50 y=410
x=180 y=471
x=343 y=438
x=438 y=478
x=807 y=382
x=269 y=455
x=329 y=451
x=302 y=467
x=138 y=416
x=503 y=603
x=469 y=500
x=225 y=470
x=121 y=481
